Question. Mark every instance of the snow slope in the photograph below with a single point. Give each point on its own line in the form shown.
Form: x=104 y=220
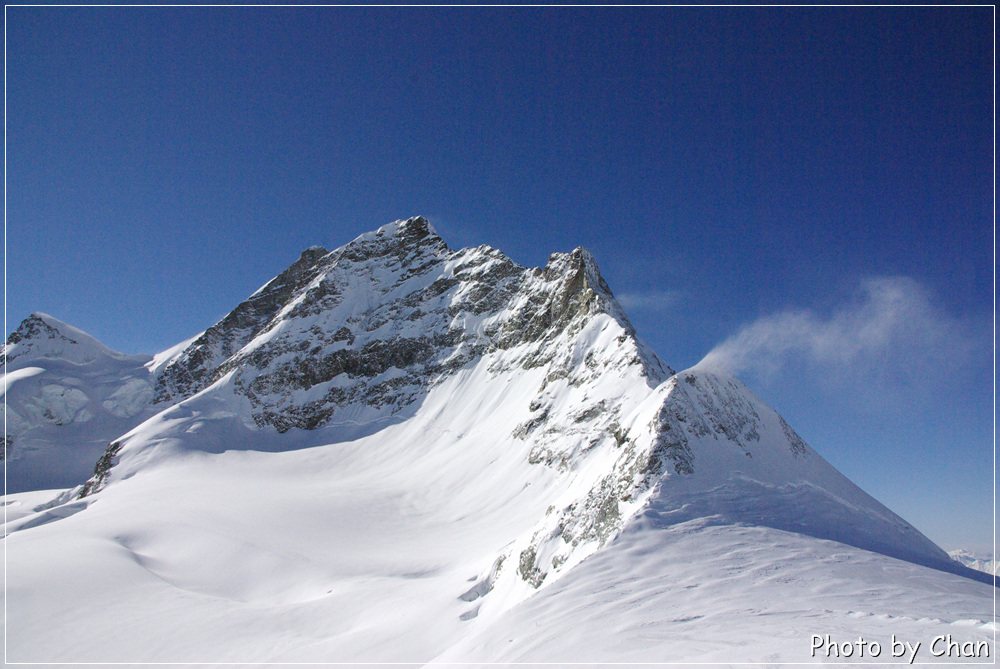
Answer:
x=372 y=550
x=399 y=452
x=713 y=592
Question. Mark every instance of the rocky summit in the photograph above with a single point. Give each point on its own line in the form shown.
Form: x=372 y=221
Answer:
x=394 y=426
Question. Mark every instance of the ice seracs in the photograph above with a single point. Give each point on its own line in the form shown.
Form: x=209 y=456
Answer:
x=396 y=451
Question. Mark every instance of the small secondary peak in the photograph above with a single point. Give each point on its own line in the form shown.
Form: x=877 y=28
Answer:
x=42 y=336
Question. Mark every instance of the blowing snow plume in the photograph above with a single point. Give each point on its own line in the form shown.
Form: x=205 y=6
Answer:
x=893 y=330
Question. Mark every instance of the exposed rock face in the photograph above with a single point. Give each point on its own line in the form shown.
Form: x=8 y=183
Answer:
x=690 y=415
x=101 y=470
x=198 y=366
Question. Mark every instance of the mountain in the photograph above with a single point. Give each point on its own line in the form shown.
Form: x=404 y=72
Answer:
x=983 y=562
x=396 y=451
x=65 y=396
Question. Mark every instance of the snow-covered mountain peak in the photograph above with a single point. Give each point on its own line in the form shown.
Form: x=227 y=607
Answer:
x=397 y=237
x=984 y=562
x=395 y=332
x=42 y=336
x=582 y=276
x=378 y=332
x=361 y=332
x=407 y=230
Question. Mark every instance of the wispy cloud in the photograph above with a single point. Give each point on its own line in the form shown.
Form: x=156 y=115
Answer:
x=892 y=333
x=654 y=300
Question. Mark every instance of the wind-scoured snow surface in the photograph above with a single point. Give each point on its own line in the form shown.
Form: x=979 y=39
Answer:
x=397 y=452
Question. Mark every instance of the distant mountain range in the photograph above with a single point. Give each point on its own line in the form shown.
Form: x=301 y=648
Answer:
x=396 y=451
x=985 y=562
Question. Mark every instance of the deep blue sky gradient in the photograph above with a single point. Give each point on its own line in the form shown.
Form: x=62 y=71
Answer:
x=723 y=165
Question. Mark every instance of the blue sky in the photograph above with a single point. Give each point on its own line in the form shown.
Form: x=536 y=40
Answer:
x=805 y=192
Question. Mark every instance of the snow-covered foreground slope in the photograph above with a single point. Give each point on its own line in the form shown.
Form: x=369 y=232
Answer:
x=399 y=452
x=354 y=551
x=303 y=556
x=711 y=592
x=377 y=550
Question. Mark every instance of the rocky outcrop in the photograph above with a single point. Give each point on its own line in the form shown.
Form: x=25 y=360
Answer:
x=200 y=363
x=101 y=470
